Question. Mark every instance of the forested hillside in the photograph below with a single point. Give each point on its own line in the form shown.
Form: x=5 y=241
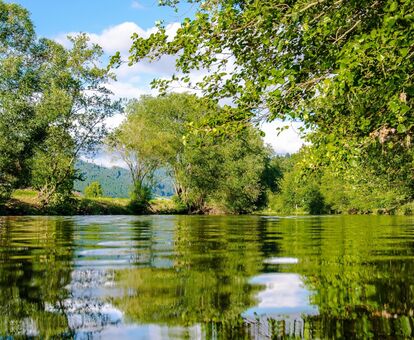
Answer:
x=116 y=181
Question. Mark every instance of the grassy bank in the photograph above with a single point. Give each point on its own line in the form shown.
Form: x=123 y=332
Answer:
x=26 y=202
x=406 y=209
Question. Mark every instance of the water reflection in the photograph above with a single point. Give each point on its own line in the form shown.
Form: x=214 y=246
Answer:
x=206 y=277
x=283 y=294
x=35 y=266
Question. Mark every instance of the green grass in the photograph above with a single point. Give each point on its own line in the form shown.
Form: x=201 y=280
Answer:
x=103 y=206
x=26 y=202
x=163 y=205
x=25 y=193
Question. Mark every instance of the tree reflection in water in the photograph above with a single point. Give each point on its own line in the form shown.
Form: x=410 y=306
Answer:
x=207 y=277
x=35 y=265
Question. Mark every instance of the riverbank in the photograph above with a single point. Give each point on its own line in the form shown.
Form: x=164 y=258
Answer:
x=26 y=202
x=406 y=209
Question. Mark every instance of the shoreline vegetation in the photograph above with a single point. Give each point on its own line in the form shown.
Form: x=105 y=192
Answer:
x=356 y=110
x=25 y=202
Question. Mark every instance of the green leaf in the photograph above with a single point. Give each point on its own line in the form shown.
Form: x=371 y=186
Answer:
x=401 y=128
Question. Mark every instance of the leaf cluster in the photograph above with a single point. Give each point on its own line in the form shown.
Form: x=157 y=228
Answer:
x=342 y=67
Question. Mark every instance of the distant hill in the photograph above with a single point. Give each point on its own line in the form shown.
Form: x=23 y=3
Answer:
x=116 y=181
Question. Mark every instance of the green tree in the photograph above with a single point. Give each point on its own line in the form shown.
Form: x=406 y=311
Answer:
x=208 y=171
x=139 y=142
x=53 y=104
x=78 y=103
x=327 y=190
x=242 y=186
x=94 y=190
x=344 y=68
x=313 y=200
x=140 y=197
x=153 y=136
x=19 y=128
x=223 y=174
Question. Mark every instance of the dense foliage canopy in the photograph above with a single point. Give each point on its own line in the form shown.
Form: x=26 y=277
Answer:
x=326 y=191
x=208 y=171
x=345 y=68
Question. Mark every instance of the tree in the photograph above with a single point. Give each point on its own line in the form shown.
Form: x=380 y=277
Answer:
x=344 y=68
x=152 y=136
x=139 y=143
x=94 y=190
x=19 y=128
x=53 y=104
x=325 y=190
x=208 y=171
x=78 y=103
x=239 y=173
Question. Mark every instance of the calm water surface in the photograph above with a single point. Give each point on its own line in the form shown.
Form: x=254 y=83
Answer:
x=175 y=277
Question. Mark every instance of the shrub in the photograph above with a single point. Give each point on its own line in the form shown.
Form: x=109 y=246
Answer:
x=140 y=198
x=93 y=190
x=314 y=201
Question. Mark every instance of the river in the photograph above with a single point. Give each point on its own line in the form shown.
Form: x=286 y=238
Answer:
x=207 y=277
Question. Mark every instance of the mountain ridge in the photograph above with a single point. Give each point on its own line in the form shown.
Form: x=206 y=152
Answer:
x=116 y=181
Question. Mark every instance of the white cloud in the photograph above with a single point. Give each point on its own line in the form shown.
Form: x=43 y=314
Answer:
x=127 y=89
x=134 y=81
x=288 y=141
x=118 y=37
x=283 y=294
x=115 y=121
x=112 y=39
x=105 y=158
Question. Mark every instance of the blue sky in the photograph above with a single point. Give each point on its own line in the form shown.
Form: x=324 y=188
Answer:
x=54 y=17
x=110 y=23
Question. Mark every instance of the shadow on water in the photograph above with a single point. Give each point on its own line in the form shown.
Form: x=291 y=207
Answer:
x=207 y=277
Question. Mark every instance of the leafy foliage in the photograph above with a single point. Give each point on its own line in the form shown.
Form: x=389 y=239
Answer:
x=344 y=68
x=209 y=171
x=53 y=104
x=327 y=191
x=18 y=84
x=140 y=198
x=79 y=103
x=94 y=190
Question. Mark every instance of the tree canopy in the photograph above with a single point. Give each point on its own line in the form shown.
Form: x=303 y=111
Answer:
x=345 y=68
x=53 y=105
x=208 y=171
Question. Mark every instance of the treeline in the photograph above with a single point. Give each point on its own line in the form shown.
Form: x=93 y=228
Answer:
x=343 y=68
x=212 y=173
x=347 y=76
x=302 y=189
x=54 y=103
x=53 y=106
